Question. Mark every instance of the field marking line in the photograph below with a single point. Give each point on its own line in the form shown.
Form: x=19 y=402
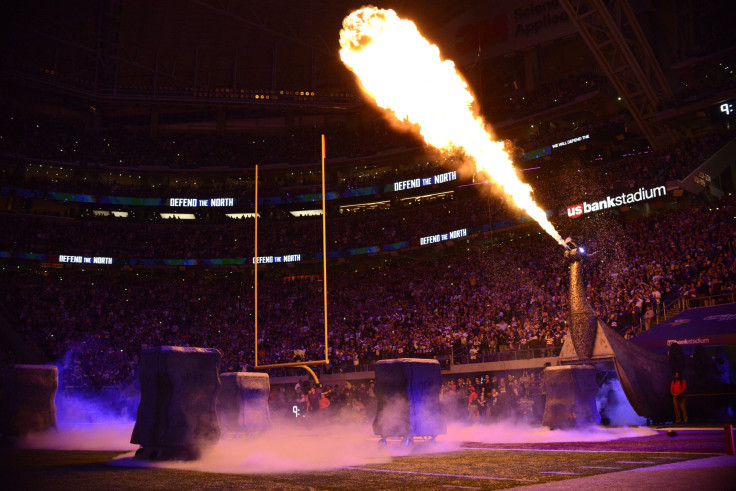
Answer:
x=597 y=467
x=590 y=451
x=634 y=462
x=490 y=478
x=460 y=487
x=560 y=472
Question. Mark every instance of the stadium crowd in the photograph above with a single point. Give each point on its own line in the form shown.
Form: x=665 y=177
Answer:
x=562 y=177
x=65 y=142
x=470 y=303
x=282 y=234
x=485 y=398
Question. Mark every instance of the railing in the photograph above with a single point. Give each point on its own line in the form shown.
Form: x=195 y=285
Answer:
x=659 y=315
x=681 y=303
x=691 y=303
x=462 y=356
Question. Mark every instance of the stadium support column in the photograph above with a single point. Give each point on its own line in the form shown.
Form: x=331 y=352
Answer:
x=614 y=36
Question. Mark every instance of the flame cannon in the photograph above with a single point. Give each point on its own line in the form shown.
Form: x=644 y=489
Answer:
x=582 y=318
x=644 y=375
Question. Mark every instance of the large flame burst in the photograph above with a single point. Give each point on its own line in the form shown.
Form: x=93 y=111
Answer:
x=405 y=74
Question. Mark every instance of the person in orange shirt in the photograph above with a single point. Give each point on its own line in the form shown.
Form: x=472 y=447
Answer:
x=324 y=402
x=677 y=389
x=473 y=407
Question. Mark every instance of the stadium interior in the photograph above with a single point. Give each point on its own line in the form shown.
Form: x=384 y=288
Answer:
x=136 y=135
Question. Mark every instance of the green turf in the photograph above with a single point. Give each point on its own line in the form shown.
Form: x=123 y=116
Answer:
x=45 y=469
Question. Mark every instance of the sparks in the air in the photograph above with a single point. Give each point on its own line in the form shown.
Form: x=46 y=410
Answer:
x=406 y=75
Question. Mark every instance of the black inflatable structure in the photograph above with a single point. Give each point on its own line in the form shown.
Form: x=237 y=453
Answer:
x=177 y=417
x=570 y=401
x=242 y=403
x=28 y=393
x=408 y=399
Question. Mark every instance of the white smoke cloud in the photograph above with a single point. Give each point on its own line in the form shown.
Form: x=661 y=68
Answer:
x=613 y=404
x=85 y=423
x=296 y=447
x=95 y=436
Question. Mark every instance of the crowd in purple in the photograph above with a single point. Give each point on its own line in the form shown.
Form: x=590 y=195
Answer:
x=468 y=304
x=479 y=398
x=282 y=234
x=471 y=304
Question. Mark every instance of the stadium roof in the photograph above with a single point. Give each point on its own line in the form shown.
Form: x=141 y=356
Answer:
x=249 y=44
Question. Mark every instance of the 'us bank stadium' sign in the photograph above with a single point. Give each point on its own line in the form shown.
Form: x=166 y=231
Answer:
x=574 y=211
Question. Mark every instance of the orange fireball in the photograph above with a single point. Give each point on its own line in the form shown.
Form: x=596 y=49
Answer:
x=406 y=75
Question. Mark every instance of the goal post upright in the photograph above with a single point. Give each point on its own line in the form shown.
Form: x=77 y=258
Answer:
x=324 y=246
x=299 y=364
x=255 y=269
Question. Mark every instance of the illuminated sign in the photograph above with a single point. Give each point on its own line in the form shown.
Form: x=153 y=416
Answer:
x=290 y=258
x=574 y=211
x=571 y=141
x=720 y=317
x=432 y=239
x=670 y=342
x=726 y=108
x=195 y=202
x=85 y=260
x=425 y=181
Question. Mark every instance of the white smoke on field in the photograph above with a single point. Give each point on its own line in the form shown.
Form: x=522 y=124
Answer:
x=305 y=445
x=296 y=447
x=302 y=445
x=86 y=422
x=96 y=437
x=512 y=432
x=318 y=442
x=614 y=406
x=77 y=408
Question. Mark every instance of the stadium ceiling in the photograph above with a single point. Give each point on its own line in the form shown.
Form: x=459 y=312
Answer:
x=215 y=44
